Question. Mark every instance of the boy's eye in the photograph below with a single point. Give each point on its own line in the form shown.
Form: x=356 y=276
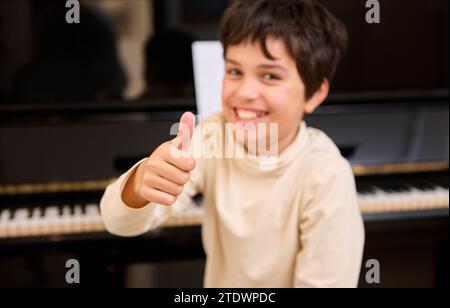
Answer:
x=233 y=72
x=270 y=77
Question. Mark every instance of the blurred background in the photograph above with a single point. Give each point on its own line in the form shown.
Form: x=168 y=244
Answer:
x=81 y=103
x=132 y=49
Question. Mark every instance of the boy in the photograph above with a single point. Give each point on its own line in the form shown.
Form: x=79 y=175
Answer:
x=296 y=224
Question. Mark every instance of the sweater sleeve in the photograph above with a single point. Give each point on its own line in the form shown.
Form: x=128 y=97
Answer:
x=119 y=219
x=331 y=230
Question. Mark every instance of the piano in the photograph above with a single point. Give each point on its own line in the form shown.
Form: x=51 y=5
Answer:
x=56 y=160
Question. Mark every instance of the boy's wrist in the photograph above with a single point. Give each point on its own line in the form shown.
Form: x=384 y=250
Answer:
x=131 y=192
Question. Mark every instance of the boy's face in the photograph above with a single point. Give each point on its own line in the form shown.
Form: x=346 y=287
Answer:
x=259 y=90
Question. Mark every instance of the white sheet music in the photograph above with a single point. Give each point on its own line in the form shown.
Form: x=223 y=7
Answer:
x=208 y=73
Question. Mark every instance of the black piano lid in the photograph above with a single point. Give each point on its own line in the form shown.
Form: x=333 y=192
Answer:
x=41 y=143
x=68 y=142
x=154 y=109
x=359 y=101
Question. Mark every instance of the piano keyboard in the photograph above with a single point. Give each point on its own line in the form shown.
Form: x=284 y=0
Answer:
x=402 y=197
x=54 y=220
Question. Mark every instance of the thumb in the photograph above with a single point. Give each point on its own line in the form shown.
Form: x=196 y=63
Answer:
x=185 y=131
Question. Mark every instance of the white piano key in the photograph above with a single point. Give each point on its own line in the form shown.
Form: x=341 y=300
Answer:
x=12 y=225
x=66 y=219
x=4 y=222
x=4 y=217
x=35 y=222
x=92 y=210
x=93 y=216
x=77 y=219
x=21 y=219
x=52 y=219
x=411 y=198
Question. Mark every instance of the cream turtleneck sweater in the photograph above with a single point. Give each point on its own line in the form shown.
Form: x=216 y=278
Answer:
x=295 y=225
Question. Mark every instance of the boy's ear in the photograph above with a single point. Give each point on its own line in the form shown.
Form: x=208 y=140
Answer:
x=318 y=97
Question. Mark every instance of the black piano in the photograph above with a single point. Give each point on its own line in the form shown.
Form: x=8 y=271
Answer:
x=57 y=159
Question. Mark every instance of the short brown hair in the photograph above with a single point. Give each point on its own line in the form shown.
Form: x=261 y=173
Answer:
x=314 y=38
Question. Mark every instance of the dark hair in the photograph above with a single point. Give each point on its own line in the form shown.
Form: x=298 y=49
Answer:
x=314 y=38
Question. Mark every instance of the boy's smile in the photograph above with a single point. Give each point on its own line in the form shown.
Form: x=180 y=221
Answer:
x=249 y=115
x=260 y=90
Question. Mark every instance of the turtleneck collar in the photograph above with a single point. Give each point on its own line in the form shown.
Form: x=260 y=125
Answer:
x=271 y=166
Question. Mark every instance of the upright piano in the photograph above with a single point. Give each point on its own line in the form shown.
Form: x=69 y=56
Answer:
x=57 y=159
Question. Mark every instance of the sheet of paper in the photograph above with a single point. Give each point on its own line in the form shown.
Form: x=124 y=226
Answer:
x=208 y=73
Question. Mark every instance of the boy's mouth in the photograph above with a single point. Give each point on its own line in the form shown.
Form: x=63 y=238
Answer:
x=246 y=114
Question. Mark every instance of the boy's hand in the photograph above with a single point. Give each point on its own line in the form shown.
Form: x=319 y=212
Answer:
x=162 y=176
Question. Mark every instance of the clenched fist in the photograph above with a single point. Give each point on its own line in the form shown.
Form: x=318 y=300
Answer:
x=162 y=176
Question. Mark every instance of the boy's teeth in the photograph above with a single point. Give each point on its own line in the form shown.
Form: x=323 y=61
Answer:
x=247 y=115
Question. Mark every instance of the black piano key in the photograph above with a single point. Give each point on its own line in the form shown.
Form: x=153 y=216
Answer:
x=72 y=209
x=430 y=184
x=415 y=184
x=385 y=187
x=364 y=188
x=425 y=186
x=444 y=184
x=405 y=187
x=396 y=186
x=42 y=211
x=60 y=210
x=30 y=213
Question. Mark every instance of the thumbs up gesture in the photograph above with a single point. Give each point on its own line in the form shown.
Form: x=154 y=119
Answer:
x=161 y=178
x=185 y=131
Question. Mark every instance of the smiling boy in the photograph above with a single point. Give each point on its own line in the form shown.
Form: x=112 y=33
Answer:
x=294 y=225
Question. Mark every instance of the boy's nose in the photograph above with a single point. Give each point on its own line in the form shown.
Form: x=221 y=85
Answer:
x=249 y=89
